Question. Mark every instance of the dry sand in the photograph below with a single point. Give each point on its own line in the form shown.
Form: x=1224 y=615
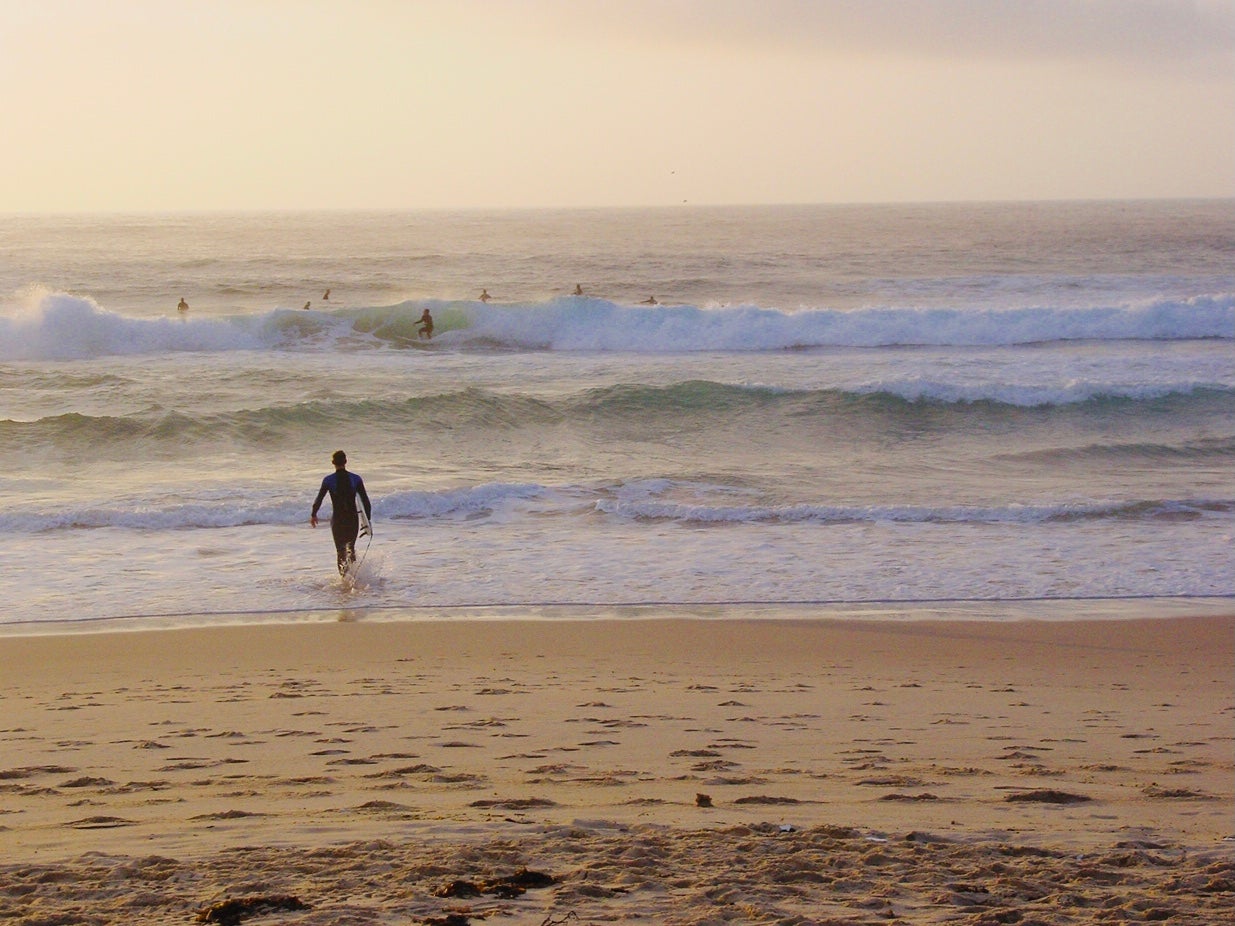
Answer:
x=663 y=771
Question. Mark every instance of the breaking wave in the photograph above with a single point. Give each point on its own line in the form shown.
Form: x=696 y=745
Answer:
x=61 y=326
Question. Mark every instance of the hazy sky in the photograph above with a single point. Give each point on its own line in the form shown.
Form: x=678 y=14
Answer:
x=306 y=104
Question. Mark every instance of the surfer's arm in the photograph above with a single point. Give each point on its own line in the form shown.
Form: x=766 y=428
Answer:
x=317 y=502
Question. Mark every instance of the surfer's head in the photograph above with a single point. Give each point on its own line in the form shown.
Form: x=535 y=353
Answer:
x=339 y=458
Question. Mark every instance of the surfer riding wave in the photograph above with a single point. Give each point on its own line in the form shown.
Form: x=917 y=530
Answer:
x=344 y=489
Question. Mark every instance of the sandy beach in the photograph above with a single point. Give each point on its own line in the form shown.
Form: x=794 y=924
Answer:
x=642 y=771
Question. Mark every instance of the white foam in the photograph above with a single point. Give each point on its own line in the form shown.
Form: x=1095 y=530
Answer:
x=59 y=326
x=598 y=325
x=638 y=500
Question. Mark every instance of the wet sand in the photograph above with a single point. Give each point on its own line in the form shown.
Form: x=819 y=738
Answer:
x=654 y=771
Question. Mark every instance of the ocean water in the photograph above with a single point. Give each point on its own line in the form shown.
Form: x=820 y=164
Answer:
x=886 y=409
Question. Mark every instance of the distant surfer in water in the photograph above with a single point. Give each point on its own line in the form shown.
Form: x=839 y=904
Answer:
x=650 y=300
x=344 y=488
x=484 y=295
x=578 y=290
x=426 y=325
x=326 y=296
x=183 y=307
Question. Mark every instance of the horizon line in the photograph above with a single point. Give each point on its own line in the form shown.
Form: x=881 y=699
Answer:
x=404 y=210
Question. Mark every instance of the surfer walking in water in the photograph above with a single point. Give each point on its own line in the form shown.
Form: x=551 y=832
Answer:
x=344 y=489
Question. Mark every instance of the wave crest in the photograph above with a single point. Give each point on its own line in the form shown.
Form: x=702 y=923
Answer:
x=694 y=403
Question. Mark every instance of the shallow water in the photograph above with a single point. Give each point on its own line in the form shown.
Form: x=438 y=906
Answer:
x=829 y=405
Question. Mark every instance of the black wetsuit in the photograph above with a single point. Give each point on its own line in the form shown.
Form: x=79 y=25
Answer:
x=344 y=519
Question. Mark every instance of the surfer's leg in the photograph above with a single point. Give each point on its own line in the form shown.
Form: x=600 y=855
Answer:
x=345 y=530
x=344 y=533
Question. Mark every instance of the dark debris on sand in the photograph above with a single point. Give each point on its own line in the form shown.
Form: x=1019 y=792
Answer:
x=1049 y=796
x=507 y=887
x=233 y=912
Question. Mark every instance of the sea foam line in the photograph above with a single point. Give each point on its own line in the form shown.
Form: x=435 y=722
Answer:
x=859 y=609
x=1170 y=509
x=498 y=503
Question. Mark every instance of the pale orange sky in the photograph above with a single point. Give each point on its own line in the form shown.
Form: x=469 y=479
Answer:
x=405 y=104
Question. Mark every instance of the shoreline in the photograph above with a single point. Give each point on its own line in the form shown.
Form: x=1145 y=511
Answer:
x=657 y=770
x=1001 y=610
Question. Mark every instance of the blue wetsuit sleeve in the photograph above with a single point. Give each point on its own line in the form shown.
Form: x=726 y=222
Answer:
x=321 y=493
x=364 y=497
